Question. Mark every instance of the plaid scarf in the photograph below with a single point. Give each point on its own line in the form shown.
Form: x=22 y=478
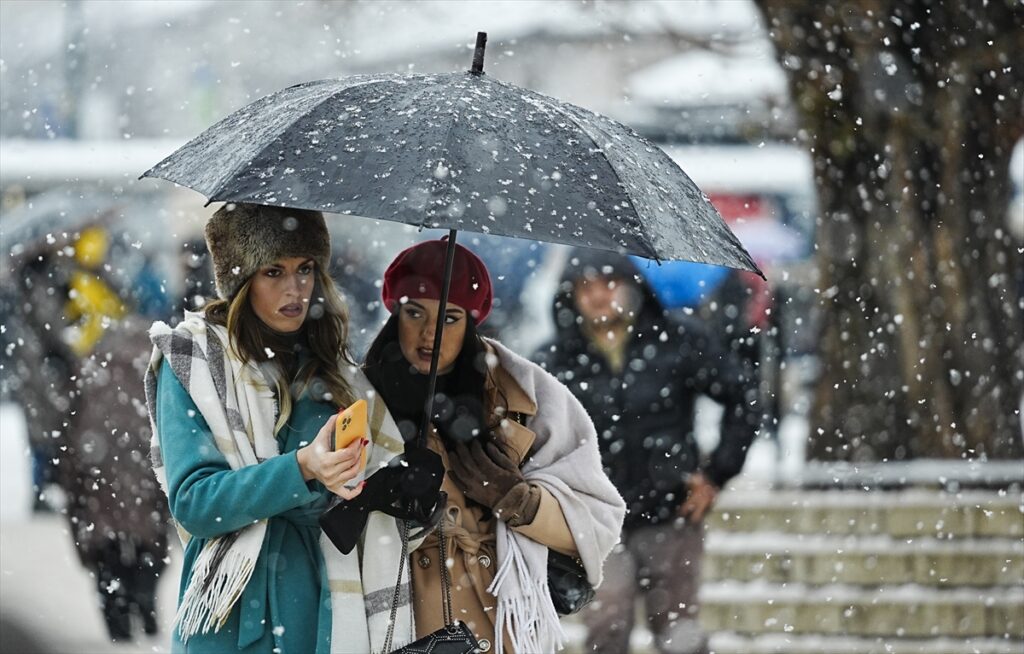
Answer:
x=240 y=408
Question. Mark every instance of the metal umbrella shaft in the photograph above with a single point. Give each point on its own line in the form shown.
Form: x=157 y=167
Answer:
x=449 y=262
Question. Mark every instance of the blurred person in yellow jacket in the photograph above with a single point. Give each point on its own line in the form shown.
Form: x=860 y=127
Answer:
x=79 y=368
x=92 y=303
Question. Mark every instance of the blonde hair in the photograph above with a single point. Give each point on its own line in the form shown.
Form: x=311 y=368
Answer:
x=326 y=329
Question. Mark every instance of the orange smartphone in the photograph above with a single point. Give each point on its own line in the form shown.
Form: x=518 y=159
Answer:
x=352 y=424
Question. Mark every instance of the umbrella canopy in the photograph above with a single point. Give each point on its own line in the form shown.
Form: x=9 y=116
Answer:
x=458 y=151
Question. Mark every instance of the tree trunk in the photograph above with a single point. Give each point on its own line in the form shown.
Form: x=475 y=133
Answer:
x=911 y=111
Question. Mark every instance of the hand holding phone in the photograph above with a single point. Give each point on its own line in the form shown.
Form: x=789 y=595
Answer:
x=352 y=425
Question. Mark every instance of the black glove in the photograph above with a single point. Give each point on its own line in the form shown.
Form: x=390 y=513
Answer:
x=409 y=488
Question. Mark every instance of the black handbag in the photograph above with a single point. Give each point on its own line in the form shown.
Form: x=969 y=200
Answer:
x=567 y=583
x=454 y=637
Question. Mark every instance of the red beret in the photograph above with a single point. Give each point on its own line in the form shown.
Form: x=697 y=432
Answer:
x=417 y=273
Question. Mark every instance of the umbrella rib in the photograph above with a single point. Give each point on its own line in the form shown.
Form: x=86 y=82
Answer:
x=224 y=179
x=642 y=236
x=288 y=126
x=654 y=255
x=445 y=153
x=561 y=109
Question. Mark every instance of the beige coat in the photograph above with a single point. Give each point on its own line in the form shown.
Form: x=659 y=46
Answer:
x=470 y=538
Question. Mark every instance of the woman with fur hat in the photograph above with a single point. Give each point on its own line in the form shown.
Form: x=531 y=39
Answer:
x=523 y=468
x=243 y=399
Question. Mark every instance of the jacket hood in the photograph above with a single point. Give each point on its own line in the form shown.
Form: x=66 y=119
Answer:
x=583 y=261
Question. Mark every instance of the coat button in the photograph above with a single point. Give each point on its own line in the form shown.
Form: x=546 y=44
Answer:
x=485 y=645
x=424 y=561
x=485 y=561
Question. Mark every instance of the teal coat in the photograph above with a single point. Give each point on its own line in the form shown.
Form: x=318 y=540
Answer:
x=286 y=606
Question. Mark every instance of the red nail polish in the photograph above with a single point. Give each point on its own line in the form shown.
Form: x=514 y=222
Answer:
x=366 y=441
x=361 y=484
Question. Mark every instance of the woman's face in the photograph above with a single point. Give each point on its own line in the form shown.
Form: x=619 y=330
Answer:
x=417 y=319
x=280 y=293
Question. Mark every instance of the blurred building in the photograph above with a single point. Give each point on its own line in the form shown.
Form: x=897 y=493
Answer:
x=74 y=70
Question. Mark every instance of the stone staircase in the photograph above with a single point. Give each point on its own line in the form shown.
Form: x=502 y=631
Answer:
x=857 y=572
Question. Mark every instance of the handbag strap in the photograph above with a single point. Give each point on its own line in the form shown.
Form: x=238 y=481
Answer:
x=446 y=589
x=446 y=584
x=403 y=531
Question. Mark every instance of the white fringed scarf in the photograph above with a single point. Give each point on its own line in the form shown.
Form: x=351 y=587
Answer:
x=566 y=461
x=241 y=410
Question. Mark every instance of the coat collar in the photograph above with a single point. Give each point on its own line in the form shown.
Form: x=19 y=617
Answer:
x=515 y=397
x=516 y=400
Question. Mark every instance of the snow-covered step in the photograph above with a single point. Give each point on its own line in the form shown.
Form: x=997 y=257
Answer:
x=900 y=611
x=641 y=640
x=863 y=560
x=948 y=474
x=729 y=643
x=904 y=514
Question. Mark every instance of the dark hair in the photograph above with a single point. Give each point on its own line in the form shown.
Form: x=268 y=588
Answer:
x=468 y=380
x=385 y=347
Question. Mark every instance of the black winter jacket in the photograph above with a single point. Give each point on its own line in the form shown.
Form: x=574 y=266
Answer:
x=644 y=414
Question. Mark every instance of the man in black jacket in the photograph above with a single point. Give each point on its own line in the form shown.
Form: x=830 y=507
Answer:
x=639 y=373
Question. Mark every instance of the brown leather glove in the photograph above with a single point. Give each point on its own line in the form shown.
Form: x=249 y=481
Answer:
x=489 y=477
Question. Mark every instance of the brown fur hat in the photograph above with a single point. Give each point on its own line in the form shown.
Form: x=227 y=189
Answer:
x=242 y=238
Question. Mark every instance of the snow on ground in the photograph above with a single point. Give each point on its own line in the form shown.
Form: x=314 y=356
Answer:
x=815 y=644
x=43 y=588
x=15 y=470
x=46 y=592
x=766 y=592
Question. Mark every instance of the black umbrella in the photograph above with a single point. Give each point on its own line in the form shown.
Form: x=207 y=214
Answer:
x=457 y=151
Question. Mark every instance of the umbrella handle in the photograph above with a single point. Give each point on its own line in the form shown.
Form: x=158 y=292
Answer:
x=478 y=53
x=449 y=261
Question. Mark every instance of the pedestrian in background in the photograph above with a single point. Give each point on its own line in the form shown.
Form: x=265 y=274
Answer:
x=638 y=373
x=41 y=363
x=116 y=513
x=118 y=516
x=79 y=364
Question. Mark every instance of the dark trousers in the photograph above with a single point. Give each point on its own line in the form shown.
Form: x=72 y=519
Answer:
x=662 y=564
x=126 y=582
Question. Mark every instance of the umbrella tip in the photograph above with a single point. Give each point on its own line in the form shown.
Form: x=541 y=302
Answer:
x=757 y=270
x=478 y=53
